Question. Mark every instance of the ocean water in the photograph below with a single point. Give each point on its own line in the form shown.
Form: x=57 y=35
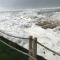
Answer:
x=31 y=22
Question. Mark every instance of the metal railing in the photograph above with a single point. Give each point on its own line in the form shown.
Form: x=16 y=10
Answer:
x=31 y=46
x=48 y=49
x=13 y=35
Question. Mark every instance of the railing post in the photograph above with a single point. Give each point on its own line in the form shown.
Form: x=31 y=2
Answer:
x=30 y=47
x=35 y=47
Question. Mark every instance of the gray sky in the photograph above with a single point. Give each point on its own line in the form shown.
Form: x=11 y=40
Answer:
x=29 y=3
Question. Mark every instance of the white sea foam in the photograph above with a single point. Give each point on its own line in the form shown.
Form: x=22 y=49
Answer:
x=23 y=24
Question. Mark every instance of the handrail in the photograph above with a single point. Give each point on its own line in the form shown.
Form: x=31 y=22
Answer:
x=17 y=50
x=37 y=43
x=48 y=49
x=12 y=35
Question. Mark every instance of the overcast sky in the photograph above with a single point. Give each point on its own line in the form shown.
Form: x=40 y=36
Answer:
x=29 y=3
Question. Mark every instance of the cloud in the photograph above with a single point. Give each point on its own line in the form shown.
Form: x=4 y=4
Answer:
x=29 y=3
